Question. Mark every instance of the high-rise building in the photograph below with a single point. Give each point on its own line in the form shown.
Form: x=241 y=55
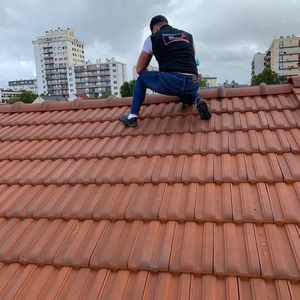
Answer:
x=97 y=79
x=54 y=53
x=283 y=56
x=258 y=64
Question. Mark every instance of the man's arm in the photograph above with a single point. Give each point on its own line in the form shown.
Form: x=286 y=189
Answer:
x=143 y=62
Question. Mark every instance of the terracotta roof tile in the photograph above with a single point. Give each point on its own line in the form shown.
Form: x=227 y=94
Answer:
x=175 y=208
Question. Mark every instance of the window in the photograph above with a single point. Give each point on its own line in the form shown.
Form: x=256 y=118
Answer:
x=115 y=82
x=280 y=44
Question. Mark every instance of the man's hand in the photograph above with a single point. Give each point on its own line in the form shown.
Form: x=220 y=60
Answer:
x=143 y=62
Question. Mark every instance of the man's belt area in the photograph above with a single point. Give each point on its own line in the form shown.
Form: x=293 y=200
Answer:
x=194 y=77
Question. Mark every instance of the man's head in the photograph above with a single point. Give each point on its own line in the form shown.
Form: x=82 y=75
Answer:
x=157 y=22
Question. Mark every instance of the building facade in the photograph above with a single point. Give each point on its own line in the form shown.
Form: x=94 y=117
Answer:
x=54 y=53
x=283 y=56
x=6 y=95
x=97 y=79
x=211 y=81
x=258 y=64
x=24 y=85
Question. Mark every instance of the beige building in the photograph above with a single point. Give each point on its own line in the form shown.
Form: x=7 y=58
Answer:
x=54 y=52
x=211 y=81
x=5 y=95
x=283 y=56
x=97 y=79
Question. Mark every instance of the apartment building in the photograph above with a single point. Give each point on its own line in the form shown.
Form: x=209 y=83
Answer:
x=97 y=79
x=6 y=95
x=257 y=64
x=283 y=56
x=24 y=85
x=54 y=53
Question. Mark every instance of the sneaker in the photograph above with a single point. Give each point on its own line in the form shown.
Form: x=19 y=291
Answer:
x=132 y=122
x=203 y=109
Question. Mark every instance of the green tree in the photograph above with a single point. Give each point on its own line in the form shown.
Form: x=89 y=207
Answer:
x=27 y=97
x=127 y=88
x=267 y=76
x=203 y=83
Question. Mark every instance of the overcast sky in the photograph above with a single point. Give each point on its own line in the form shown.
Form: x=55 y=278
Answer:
x=227 y=33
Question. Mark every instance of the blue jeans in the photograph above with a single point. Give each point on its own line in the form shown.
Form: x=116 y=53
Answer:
x=186 y=87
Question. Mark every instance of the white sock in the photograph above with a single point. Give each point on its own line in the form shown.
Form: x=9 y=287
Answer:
x=130 y=115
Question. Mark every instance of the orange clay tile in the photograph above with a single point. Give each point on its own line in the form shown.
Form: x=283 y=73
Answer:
x=177 y=208
x=213 y=202
x=146 y=201
x=235 y=250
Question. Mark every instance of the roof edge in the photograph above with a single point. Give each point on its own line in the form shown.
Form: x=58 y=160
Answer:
x=219 y=92
x=261 y=90
x=295 y=81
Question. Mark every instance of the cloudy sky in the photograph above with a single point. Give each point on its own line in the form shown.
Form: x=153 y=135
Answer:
x=227 y=33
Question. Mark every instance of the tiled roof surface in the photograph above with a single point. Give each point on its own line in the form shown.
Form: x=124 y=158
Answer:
x=177 y=208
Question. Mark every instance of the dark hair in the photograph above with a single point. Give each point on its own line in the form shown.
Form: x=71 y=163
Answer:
x=157 y=19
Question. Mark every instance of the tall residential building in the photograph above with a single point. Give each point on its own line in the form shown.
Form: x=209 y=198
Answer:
x=258 y=64
x=283 y=56
x=54 y=52
x=97 y=79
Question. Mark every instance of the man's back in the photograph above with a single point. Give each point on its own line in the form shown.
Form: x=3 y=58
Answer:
x=174 y=50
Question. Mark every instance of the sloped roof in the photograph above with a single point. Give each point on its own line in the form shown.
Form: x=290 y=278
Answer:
x=53 y=98
x=83 y=96
x=175 y=208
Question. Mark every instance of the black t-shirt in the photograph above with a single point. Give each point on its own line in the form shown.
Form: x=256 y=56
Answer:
x=174 y=50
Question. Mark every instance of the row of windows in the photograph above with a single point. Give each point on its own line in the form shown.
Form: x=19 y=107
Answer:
x=78 y=45
x=77 y=50
x=81 y=56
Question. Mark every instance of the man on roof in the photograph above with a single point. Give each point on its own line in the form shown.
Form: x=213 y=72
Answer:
x=177 y=75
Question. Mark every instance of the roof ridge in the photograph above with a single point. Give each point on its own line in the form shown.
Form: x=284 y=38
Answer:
x=219 y=92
